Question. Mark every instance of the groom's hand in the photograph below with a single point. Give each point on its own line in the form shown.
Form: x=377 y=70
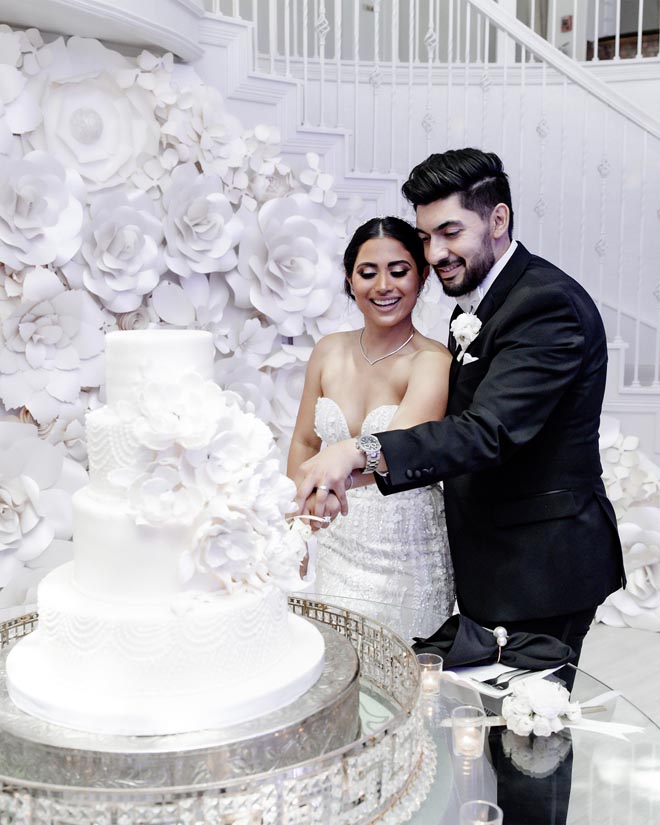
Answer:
x=327 y=472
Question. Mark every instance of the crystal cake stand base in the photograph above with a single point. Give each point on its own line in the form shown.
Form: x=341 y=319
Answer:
x=307 y=765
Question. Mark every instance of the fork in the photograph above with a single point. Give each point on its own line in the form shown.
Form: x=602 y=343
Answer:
x=501 y=681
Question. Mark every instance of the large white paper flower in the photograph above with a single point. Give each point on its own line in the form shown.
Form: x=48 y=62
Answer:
x=36 y=484
x=197 y=302
x=121 y=257
x=201 y=228
x=51 y=346
x=638 y=605
x=90 y=122
x=41 y=211
x=289 y=267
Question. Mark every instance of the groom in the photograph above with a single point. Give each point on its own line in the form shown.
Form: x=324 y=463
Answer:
x=532 y=534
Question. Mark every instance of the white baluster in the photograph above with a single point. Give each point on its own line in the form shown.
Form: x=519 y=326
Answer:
x=287 y=38
x=305 y=60
x=542 y=130
x=466 y=73
x=450 y=66
x=640 y=27
x=644 y=173
x=322 y=27
x=338 y=36
x=520 y=220
x=255 y=37
x=375 y=78
x=601 y=246
x=553 y=23
x=430 y=41
x=356 y=79
x=617 y=32
x=622 y=239
x=412 y=28
x=272 y=33
x=583 y=177
x=394 y=45
x=595 y=57
x=562 y=173
x=574 y=33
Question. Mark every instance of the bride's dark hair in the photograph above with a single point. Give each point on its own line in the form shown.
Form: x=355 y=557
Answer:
x=388 y=227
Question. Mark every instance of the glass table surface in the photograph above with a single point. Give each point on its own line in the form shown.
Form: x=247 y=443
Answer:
x=575 y=777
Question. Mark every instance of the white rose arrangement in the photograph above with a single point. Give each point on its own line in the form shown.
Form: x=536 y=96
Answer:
x=540 y=707
x=465 y=329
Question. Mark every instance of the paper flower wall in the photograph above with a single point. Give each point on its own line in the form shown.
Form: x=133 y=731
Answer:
x=130 y=197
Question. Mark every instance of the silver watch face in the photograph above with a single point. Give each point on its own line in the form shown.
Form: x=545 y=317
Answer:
x=368 y=443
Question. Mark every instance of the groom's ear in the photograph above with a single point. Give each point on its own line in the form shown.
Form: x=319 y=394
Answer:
x=499 y=221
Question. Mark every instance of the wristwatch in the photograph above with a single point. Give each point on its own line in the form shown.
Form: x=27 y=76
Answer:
x=370 y=446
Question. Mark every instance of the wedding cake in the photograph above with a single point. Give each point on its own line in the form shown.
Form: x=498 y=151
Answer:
x=173 y=614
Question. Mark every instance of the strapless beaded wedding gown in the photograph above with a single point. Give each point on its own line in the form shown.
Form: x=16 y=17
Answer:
x=388 y=550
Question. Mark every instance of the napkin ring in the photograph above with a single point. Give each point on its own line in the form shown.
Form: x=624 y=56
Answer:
x=501 y=637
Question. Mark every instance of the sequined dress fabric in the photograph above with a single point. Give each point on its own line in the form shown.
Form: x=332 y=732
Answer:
x=391 y=551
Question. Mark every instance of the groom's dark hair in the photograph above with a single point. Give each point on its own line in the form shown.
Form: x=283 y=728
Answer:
x=477 y=177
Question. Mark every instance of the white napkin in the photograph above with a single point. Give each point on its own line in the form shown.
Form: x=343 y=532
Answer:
x=475 y=676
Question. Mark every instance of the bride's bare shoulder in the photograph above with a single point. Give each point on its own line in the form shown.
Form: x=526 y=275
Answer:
x=335 y=343
x=430 y=345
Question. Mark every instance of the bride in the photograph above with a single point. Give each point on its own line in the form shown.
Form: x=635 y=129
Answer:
x=388 y=550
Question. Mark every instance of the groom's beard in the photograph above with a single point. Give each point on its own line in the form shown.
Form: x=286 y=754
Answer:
x=473 y=275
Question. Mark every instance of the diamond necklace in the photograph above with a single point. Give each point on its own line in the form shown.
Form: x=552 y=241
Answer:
x=383 y=357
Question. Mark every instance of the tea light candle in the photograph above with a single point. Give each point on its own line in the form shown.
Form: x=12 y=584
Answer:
x=468 y=731
x=430 y=665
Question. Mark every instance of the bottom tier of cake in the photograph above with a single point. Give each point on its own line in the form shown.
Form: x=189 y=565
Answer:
x=162 y=666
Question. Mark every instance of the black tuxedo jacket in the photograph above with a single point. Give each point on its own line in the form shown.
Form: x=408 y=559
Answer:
x=531 y=531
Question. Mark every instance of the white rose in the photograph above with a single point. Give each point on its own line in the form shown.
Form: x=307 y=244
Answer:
x=465 y=329
x=547 y=698
x=541 y=726
x=41 y=211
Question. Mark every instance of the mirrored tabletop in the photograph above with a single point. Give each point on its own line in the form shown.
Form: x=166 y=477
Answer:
x=574 y=777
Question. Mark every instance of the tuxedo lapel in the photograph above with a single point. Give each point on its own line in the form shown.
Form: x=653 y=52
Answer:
x=504 y=283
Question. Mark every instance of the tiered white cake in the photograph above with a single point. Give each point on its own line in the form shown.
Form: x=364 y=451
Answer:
x=173 y=615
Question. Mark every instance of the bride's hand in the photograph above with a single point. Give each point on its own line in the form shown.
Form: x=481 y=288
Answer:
x=327 y=473
x=331 y=510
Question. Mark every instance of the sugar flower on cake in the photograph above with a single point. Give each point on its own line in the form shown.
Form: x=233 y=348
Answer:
x=51 y=346
x=41 y=211
x=201 y=228
x=539 y=706
x=90 y=122
x=288 y=265
x=167 y=414
x=121 y=258
x=159 y=497
x=36 y=484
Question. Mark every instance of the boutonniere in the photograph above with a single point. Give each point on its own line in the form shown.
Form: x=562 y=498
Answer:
x=465 y=329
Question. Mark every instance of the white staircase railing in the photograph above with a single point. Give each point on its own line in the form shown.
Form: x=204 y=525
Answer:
x=584 y=163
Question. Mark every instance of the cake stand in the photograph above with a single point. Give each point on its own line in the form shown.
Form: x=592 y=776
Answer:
x=311 y=762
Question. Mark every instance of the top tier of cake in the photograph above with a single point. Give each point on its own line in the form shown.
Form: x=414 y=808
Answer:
x=134 y=356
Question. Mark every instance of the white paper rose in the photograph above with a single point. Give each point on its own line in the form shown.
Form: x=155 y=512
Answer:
x=41 y=211
x=638 y=605
x=36 y=484
x=196 y=302
x=90 y=122
x=121 y=256
x=289 y=267
x=253 y=385
x=201 y=228
x=51 y=348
